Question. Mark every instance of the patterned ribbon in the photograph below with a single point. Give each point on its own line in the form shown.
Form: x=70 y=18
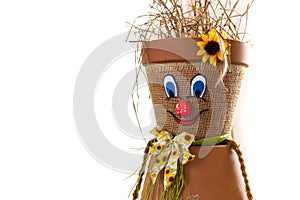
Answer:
x=166 y=152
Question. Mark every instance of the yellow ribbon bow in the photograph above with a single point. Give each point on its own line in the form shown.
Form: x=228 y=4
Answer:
x=166 y=152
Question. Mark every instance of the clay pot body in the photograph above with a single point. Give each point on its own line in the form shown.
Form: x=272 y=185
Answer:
x=213 y=175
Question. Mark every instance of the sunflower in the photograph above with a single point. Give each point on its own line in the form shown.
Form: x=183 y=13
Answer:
x=158 y=147
x=161 y=159
x=170 y=179
x=167 y=171
x=155 y=132
x=189 y=158
x=187 y=138
x=157 y=161
x=211 y=47
x=164 y=157
x=174 y=154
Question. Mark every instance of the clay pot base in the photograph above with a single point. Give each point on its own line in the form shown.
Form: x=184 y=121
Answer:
x=221 y=178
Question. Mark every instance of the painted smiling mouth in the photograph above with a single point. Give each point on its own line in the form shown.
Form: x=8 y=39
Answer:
x=187 y=122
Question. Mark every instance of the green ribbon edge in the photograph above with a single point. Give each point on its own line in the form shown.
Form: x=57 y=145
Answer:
x=210 y=141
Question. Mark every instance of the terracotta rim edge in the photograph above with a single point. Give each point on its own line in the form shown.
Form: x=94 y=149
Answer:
x=185 y=50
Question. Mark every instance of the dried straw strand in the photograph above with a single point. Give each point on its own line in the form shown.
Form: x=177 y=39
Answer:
x=170 y=18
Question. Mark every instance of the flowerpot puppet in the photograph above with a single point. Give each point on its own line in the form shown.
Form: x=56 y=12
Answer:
x=194 y=83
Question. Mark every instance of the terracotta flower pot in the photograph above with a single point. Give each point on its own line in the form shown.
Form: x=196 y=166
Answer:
x=215 y=176
x=189 y=95
x=178 y=58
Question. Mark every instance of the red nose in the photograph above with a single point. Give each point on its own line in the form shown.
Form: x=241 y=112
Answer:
x=183 y=109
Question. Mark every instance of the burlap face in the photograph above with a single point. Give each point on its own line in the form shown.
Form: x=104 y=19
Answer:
x=212 y=114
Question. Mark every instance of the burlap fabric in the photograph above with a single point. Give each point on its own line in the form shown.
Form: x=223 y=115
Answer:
x=219 y=100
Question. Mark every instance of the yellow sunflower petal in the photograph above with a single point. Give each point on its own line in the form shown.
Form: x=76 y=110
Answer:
x=205 y=38
x=213 y=35
x=226 y=52
x=202 y=44
x=205 y=58
x=220 y=55
x=201 y=52
x=223 y=34
x=225 y=45
x=213 y=60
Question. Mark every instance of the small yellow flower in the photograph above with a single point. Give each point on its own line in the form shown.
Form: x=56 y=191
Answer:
x=174 y=154
x=155 y=132
x=170 y=179
x=187 y=138
x=161 y=159
x=211 y=47
x=158 y=147
x=164 y=157
x=157 y=161
x=167 y=172
x=189 y=158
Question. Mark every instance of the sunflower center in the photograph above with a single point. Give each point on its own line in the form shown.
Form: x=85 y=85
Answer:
x=171 y=179
x=164 y=158
x=187 y=138
x=212 y=47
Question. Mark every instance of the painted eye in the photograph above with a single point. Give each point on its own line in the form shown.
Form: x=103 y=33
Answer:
x=170 y=86
x=198 y=85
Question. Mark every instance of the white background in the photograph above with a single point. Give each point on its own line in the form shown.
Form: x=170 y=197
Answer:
x=42 y=47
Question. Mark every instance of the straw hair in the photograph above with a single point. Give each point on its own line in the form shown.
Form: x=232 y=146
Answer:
x=177 y=18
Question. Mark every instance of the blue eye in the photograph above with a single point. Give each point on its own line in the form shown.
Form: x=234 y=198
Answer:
x=170 y=86
x=198 y=85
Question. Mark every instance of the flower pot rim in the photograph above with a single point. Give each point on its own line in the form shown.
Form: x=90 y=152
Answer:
x=185 y=50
